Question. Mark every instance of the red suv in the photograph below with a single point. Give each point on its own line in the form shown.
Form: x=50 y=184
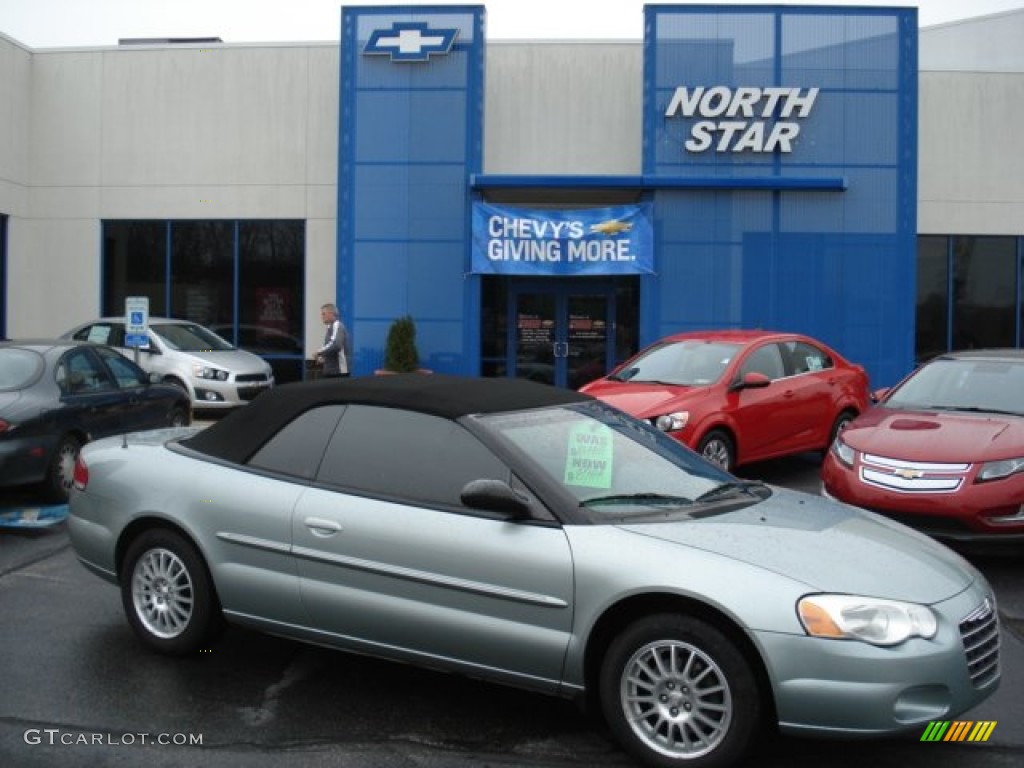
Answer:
x=740 y=396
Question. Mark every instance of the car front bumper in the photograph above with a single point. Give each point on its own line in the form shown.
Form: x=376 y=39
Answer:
x=849 y=688
x=990 y=511
x=213 y=394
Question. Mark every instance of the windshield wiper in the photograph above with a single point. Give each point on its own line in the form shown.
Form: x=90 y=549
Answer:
x=975 y=409
x=963 y=409
x=729 y=489
x=636 y=498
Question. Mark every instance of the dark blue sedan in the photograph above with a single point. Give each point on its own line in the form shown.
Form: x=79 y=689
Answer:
x=56 y=395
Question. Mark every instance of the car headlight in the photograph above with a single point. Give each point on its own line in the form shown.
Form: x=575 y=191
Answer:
x=868 y=619
x=996 y=470
x=206 y=372
x=843 y=452
x=672 y=422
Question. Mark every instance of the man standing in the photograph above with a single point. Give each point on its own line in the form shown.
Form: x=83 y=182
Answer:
x=337 y=349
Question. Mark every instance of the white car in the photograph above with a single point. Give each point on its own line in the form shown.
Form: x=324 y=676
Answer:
x=214 y=373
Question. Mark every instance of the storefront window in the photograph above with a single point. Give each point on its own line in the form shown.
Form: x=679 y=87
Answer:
x=1020 y=294
x=3 y=276
x=203 y=271
x=984 y=292
x=134 y=264
x=932 y=297
x=195 y=270
x=270 y=283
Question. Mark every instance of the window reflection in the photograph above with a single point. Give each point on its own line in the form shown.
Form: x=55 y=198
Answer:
x=984 y=292
x=199 y=259
x=932 y=297
x=134 y=264
x=202 y=271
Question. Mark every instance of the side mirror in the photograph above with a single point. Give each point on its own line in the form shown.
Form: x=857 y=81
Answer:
x=752 y=380
x=155 y=378
x=495 y=496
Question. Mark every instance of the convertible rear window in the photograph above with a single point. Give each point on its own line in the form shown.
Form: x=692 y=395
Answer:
x=298 y=448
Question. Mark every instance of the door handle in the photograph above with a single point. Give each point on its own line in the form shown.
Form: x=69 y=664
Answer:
x=320 y=527
x=561 y=348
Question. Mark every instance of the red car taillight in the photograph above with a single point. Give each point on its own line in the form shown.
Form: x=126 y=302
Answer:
x=81 y=476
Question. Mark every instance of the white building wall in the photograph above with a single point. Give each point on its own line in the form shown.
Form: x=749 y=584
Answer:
x=971 y=150
x=15 y=126
x=16 y=91
x=990 y=43
x=184 y=132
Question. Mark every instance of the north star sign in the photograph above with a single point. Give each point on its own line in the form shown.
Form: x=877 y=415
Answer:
x=737 y=119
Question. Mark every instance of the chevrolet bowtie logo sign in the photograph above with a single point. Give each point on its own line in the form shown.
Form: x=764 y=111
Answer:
x=410 y=41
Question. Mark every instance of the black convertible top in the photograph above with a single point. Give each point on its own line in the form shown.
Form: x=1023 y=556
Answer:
x=239 y=434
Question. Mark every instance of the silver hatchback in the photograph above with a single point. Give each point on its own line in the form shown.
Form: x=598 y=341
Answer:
x=215 y=373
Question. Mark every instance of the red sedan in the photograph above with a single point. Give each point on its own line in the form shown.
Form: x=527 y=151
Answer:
x=740 y=396
x=943 y=451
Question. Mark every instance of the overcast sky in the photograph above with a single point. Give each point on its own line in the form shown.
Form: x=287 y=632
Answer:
x=60 y=23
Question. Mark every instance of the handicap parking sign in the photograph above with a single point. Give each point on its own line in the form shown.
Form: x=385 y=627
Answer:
x=136 y=313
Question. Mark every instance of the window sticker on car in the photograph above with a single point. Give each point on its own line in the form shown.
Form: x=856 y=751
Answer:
x=99 y=334
x=588 y=461
x=813 y=363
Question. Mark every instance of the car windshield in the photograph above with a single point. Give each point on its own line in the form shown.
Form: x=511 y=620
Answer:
x=18 y=368
x=691 y=363
x=615 y=466
x=989 y=386
x=190 y=337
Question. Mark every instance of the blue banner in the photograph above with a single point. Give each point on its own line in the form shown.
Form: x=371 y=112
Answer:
x=592 y=241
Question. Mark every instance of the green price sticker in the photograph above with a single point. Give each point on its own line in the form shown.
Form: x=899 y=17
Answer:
x=589 y=458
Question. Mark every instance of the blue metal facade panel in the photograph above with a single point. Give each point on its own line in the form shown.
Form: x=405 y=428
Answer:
x=409 y=140
x=839 y=265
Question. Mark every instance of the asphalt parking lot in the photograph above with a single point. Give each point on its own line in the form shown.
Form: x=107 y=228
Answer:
x=78 y=689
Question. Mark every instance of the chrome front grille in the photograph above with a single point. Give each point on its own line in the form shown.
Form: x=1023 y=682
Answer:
x=912 y=477
x=979 y=631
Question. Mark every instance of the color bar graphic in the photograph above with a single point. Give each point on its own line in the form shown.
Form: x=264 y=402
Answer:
x=958 y=730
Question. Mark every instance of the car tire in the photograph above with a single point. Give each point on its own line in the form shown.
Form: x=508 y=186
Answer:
x=178 y=417
x=168 y=594
x=718 y=448
x=841 y=422
x=675 y=691
x=61 y=472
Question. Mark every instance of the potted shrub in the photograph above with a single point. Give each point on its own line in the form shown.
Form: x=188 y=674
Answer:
x=400 y=352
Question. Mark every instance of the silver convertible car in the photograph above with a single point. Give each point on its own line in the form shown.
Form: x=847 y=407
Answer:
x=537 y=537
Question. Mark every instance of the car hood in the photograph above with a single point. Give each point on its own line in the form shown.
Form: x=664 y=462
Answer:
x=936 y=436
x=235 y=360
x=827 y=545
x=644 y=400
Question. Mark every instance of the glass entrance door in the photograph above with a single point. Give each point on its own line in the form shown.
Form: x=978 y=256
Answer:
x=561 y=335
